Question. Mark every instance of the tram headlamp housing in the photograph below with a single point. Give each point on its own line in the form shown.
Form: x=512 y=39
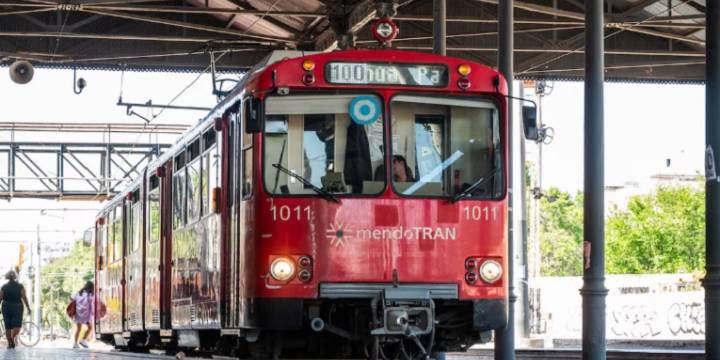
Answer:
x=490 y=271
x=282 y=269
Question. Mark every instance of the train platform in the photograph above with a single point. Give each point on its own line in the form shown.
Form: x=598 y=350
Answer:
x=55 y=352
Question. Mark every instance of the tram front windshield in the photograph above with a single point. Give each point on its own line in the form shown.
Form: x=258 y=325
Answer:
x=446 y=147
x=314 y=143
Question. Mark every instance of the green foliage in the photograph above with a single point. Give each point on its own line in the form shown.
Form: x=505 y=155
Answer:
x=663 y=232
x=61 y=279
x=561 y=231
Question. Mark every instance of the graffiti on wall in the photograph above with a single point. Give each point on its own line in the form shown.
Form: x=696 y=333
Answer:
x=644 y=307
x=634 y=321
x=686 y=318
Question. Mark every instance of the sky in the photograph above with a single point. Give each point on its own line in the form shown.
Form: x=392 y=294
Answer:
x=644 y=125
x=49 y=97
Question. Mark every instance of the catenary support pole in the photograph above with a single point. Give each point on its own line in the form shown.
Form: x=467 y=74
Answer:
x=712 y=185
x=505 y=338
x=593 y=290
x=36 y=288
x=439 y=27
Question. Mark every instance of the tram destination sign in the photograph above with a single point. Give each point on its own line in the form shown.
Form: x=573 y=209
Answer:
x=386 y=74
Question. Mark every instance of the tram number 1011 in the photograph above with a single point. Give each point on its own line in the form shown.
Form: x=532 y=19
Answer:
x=287 y=213
x=480 y=213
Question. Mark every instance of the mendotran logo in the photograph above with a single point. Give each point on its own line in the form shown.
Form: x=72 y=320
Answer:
x=338 y=234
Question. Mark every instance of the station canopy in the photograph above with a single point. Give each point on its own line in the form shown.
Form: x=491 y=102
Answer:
x=646 y=40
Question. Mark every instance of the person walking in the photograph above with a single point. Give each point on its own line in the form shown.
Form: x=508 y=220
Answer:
x=84 y=313
x=12 y=309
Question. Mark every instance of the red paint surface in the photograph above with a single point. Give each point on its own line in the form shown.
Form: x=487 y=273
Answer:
x=358 y=258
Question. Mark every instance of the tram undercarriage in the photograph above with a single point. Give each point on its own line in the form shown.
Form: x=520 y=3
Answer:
x=380 y=328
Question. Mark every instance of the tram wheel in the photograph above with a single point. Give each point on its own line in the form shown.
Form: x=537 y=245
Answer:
x=180 y=355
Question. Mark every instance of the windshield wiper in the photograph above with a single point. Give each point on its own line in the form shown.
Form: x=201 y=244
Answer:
x=471 y=189
x=323 y=193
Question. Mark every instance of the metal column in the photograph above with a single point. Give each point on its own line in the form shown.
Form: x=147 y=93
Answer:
x=525 y=276
x=439 y=27
x=712 y=185
x=505 y=338
x=593 y=290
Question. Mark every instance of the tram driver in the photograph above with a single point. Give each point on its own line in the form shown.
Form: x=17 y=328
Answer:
x=400 y=170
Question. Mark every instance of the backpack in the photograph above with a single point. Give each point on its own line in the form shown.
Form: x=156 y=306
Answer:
x=71 y=310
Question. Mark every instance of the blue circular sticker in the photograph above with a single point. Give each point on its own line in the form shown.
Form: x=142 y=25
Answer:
x=364 y=109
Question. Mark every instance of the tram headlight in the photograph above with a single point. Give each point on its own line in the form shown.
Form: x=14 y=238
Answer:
x=490 y=271
x=282 y=269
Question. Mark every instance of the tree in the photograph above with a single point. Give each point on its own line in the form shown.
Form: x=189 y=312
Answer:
x=561 y=233
x=663 y=232
x=60 y=279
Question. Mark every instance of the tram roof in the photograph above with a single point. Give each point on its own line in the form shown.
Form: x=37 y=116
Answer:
x=647 y=40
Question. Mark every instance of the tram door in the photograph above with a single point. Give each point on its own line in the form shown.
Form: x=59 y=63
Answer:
x=152 y=254
x=112 y=291
x=230 y=260
x=101 y=250
x=246 y=217
x=134 y=263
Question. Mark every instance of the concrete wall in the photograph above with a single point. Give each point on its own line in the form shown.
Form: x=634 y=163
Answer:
x=639 y=307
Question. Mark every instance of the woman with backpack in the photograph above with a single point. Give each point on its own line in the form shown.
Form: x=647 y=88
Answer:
x=84 y=313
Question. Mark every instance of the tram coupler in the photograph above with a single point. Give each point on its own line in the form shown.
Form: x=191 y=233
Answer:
x=408 y=313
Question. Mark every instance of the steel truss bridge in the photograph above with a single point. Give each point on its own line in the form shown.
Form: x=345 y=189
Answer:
x=76 y=171
x=83 y=171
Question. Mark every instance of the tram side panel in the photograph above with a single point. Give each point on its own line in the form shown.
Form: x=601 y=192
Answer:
x=134 y=268
x=205 y=180
x=196 y=237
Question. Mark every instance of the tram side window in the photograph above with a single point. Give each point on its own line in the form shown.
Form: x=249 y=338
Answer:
x=210 y=166
x=117 y=234
x=233 y=160
x=153 y=201
x=102 y=246
x=247 y=169
x=276 y=152
x=179 y=191
x=194 y=192
x=136 y=221
x=108 y=237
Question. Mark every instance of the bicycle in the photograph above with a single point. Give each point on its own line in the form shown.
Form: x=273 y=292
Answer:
x=29 y=335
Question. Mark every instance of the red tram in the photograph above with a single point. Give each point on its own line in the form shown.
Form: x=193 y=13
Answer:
x=350 y=203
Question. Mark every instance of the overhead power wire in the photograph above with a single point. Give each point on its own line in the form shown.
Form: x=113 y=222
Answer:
x=216 y=60
x=195 y=80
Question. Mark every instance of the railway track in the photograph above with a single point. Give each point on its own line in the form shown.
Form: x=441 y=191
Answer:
x=569 y=354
